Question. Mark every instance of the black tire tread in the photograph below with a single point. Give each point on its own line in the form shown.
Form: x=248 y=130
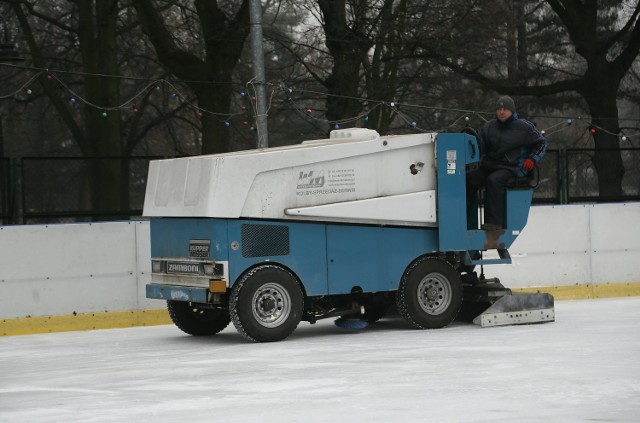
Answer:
x=402 y=300
x=211 y=322
x=235 y=298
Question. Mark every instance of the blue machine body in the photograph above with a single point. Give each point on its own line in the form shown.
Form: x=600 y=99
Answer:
x=336 y=258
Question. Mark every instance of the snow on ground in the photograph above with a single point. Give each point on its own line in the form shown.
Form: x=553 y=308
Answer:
x=583 y=367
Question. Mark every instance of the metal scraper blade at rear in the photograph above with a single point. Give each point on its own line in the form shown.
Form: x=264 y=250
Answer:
x=518 y=309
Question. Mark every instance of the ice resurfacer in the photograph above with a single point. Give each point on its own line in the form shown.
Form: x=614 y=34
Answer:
x=342 y=227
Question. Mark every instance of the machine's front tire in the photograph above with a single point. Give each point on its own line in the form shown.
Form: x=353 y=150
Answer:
x=430 y=293
x=196 y=321
x=266 y=304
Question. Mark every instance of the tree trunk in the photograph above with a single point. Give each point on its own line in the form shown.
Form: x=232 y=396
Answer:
x=511 y=40
x=523 y=45
x=600 y=92
x=516 y=40
x=348 y=48
x=109 y=182
x=382 y=72
x=215 y=135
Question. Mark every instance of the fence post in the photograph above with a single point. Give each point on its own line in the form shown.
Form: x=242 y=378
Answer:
x=19 y=195
x=563 y=176
x=4 y=188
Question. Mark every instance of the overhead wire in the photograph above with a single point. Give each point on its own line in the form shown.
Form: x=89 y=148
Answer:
x=224 y=117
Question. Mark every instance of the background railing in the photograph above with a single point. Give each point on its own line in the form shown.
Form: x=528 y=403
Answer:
x=64 y=189
x=569 y=176
x=67 y=189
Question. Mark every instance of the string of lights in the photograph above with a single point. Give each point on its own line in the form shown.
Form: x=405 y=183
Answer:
x=396 y=108
x=465 y=114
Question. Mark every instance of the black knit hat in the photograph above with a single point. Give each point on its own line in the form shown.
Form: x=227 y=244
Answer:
x=506 y=102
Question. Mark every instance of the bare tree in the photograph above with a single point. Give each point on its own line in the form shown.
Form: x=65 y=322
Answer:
x=348 y=43
x=607 y=44
x=97 y=61
x=208 y=72
x=366 y=43
x=97 y=133
x=609 y=54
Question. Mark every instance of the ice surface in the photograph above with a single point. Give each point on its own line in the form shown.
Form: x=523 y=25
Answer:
x=583 y=367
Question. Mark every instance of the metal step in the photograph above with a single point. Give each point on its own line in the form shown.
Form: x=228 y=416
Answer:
x=505 y=258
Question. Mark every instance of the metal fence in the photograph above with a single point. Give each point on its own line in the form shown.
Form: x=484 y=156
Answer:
x=59 y=189
x=569 y=176
x=65 y=189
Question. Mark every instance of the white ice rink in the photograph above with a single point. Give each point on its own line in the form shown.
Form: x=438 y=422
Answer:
x=584 y=367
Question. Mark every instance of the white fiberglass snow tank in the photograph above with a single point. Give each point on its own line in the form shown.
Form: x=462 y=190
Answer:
x=354 y=176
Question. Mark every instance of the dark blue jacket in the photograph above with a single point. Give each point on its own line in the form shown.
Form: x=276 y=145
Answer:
x=508 y=144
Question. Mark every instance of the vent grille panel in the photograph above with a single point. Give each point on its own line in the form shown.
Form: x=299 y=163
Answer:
x=264 y=240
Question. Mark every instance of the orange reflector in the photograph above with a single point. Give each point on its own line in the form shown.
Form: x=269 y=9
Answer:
x=217 y=286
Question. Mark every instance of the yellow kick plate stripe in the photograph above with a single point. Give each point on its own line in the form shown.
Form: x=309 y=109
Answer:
x=84 y=321
x=588 y=291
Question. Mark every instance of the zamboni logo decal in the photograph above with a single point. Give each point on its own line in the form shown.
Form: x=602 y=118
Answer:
x=311 y=179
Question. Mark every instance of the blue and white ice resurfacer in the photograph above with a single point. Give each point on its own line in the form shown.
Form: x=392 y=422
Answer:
x=347 y=227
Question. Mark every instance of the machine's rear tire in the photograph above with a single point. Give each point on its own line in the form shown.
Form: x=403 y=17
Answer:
x=196 y=321
x=430 y=293
x=266 y=304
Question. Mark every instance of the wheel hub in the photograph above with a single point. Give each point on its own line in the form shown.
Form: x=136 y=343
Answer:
x=268 y=304
x=434 y=293
x=271 y=305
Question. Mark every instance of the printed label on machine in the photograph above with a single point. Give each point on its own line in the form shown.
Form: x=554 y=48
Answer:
x=319 y=182
x=451 y=161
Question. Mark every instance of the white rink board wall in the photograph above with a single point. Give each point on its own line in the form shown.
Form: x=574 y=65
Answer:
x=575 y=244
x=49 y=270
